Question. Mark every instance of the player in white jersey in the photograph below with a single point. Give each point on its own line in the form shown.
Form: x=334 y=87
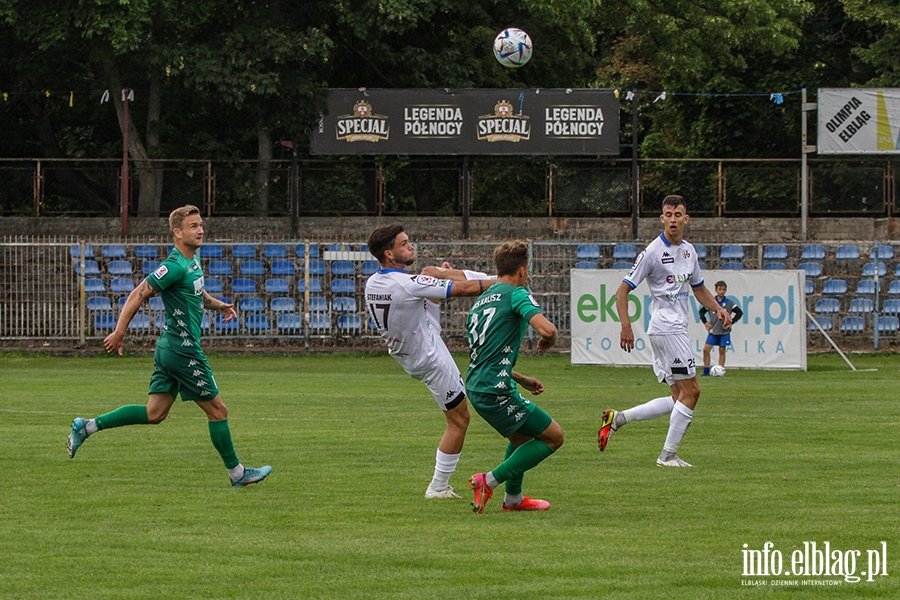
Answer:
x=670 y=267
x=405 y=308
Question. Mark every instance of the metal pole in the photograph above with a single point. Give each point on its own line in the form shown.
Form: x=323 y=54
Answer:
x=634 y=166
x=125 y=195
x=875 y=262
x=466 y=195
x=805 y=149
x=295 y=192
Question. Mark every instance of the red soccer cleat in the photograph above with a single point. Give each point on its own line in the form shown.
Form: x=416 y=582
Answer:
x=483 y=493
x=529 y=504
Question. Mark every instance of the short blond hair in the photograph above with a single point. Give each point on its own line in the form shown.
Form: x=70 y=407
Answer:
x=509 y=257
x=176 y=218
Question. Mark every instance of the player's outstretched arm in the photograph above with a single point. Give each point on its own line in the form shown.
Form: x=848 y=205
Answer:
x=545 y=329
x=532 y=384
x=115 y=341
x=225 y=309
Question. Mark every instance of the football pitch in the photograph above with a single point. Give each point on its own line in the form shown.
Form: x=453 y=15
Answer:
x=793 y=470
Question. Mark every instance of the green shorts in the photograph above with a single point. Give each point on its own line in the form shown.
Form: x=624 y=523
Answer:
x=510 y=413
x=176 y=374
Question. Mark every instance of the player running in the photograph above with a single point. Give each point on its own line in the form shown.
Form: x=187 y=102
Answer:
x=670 y=266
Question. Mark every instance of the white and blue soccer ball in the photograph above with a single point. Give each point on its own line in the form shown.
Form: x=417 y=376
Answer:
x=717 y=371
x=512 y=47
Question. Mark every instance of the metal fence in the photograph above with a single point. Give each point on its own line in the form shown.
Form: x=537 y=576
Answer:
x=492 y=186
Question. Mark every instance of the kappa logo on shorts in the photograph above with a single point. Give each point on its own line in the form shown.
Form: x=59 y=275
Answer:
x=204 y=393
x=200 y=383
x=500 y=386
x=187 y=344
x=503 y=373
x=193 y=362
x=520 y=416
x=508 y=350
x=511 y=408
x=505 y=362
x=677 y=361
x=505 y=400
x=197 y=373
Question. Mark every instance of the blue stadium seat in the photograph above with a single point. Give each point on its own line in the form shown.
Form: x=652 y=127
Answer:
x=119 y=267
x=105 y=321
x=342 y=247
x=343 y=305
x=282 y=304
x=156 y=304
x=282 y=267
x=275 y=251
x=810 y=287
x=315 y=286
x=140 y=322
x=243 y=251
x=828 y=306
x=812 y=269
x=146 y=252
x=243 y=285
x=318 y=304
x=159 y=321
x=121 y=285
x=775 y=252
x=835 y=286
x=891 y=307
x=148 y=266
x=343 y=268
x=99 y=304
x=252 y=304
x=774 y=266
x=256 y=322
x=211 y=251
x=624 y=252
x=319 y=322
x=301 y=251
x=888 y=324
x=869 y=270
x=219 y=267
x=363 y=247
x=369 y=267
x=289 y=323
x=847 y=253
x=90 y=267
x=825 y=322
x=349 y=323
x=112 y=251
x=226 y=326
x=316 y=268
x=123 y=300
x=586 y=264
x=813 y=252
x=342 y=286
x=587 y=252
x=732 y=265
x=94 y=285
x=212 y=285
x=884 y=252
x=861 y=306
x=701 y=251
x=867 y=287
x=853 y=324
x=621 y=264
x=731 y=252
x=253 y=268
x=278 y=286
x=75 y=251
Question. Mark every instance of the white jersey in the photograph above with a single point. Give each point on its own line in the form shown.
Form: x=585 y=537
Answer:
x=408 y=322
x=670 y=272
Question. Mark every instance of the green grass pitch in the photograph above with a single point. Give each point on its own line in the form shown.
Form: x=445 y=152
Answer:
x=147 y=512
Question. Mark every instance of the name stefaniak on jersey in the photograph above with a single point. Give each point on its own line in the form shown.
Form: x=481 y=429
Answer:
x=378 y=298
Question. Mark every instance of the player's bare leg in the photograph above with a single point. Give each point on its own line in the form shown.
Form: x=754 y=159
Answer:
x=448 y=452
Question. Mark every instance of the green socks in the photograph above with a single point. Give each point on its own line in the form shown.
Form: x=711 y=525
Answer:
x=518 y=460
x=130 y=414
x=220 y=435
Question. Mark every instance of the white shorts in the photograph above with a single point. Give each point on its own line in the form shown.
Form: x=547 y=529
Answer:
x=673 y=357
x=443 y=379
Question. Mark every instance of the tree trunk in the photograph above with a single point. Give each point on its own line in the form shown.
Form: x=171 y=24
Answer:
x=263 y=169
x=152 y=177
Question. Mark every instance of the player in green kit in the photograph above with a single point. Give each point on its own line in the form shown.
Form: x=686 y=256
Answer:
x=180 y=365
x=496 y=326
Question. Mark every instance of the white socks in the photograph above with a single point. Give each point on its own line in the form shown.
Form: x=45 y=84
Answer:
x=658 y=407
x=678 y=424
x=90 y=427
x=236 y=473
x=444 y=466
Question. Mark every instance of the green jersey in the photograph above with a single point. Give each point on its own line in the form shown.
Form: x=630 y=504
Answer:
x=179 y=281
x=496 y=326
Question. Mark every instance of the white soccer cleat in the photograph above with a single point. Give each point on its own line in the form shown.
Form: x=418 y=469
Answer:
x=445 y=494
x=672 y=462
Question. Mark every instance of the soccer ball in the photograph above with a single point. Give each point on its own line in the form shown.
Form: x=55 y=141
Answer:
x=717 y=371
x=512 y=47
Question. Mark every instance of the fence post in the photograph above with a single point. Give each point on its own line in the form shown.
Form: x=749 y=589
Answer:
x=38 y=188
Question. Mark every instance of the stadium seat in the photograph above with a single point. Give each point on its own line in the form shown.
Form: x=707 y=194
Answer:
x=289 y=323
x=869 y=270
x=861 y=306
x=243 y=251
x=99 y=304
x=211 y=251
x=156 y=304
x=318 y=304
x=828 y=306
x=212 y=285
x=343 y=305
x=90 y=267
x=123 y=300
x=315 y=286
x=148 y=266
x=94 y=285
x=835 y=286
x=223 y=325
x=701 y=251
x=252 y=304
x=278 y=286
x=363 y=247
x=888 y=324
x=586 y=264
x=275 y=251
x=853 y=324
x=140 y=322
x=342 y=286
x=121 y=285
x=301 y=251
x=349 y=323
x=812 y=269
x=316 y=268
x=866 y=287
x=112 y=251
x=884 y=252
x=159 y=321
x=282 y=267
x=847 y=253
x=319 y=322
x=342 y=247
x=282 y=304
x=243 y=285
x=256 y=322
x=75 y=251
x=146 y=252
x=774 y=266
x=105 y=322
x=587 y=252
x=343 y=268
x=219 y=267
x=775 y=253
x=622 y=265
x=369 y=268
x=253 y=268
x=732 y=265
x=731 y=252
x=825 y=322
x=813 y=252
x=625 y=252
x=891 y=307
x=119 y=267
x=810 y=287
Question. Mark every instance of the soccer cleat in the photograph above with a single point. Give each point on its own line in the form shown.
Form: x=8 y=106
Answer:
x=607 y=428
x=529 y=504
x=76 y=437
x=252 y=475
x=483 y=493
x=443 y=494
x=672 y=462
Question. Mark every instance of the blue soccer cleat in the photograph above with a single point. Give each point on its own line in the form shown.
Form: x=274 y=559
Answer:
x=77 y=437
x=252 y=475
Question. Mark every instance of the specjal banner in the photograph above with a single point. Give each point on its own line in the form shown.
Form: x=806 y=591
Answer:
x=859 y=121
x=771 y=334
x=468 y=122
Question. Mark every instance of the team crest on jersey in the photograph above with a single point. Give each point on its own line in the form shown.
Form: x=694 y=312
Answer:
x=685 y=253
x=432 y=281
x=161 y=272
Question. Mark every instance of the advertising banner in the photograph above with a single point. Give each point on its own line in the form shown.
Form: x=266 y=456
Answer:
x=859 y=121
x=468 y=122
x=770 y=335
